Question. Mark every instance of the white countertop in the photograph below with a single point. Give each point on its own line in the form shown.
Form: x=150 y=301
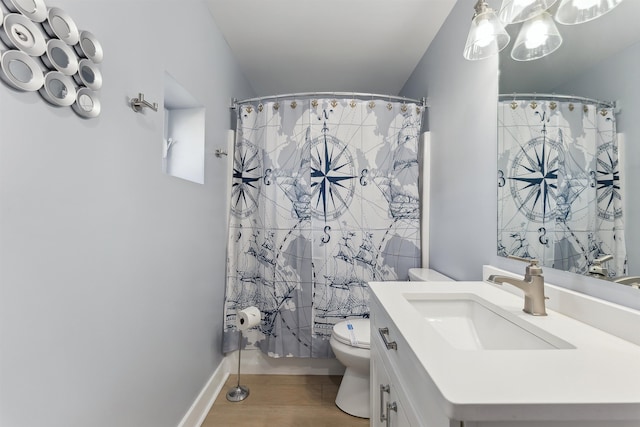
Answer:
x=598 y=379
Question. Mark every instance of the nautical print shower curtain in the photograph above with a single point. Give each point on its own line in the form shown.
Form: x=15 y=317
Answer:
x=559 y=192
x=324 y=199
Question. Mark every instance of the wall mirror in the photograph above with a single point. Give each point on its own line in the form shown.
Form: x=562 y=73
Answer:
x=58 y=89
x=59 y=24
x=20 y=71
x=36 y=10
x=87 y=104
x=89 y=47
x=89 y=75
x=59 y=57
x=568 y=164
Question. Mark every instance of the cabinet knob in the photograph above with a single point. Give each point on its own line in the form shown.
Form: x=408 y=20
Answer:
x=391 y=406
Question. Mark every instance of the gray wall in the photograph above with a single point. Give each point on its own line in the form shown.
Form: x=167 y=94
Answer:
x=112 y=273
x=462 y=121
x=463 y=125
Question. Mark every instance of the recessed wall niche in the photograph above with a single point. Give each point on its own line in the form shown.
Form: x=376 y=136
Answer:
x=183 y=141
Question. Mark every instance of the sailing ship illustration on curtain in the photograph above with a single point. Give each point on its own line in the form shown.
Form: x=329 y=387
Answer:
x=324 y=199
x=559 y=192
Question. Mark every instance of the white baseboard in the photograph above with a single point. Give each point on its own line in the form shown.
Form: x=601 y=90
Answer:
x=256 y=362
x=200 y=408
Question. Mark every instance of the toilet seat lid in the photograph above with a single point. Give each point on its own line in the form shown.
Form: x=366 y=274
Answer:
x=361 y=332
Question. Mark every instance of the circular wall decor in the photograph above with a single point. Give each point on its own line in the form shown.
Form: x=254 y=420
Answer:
x=35 y=10
x=88 y=75
x=58 y=89
x=37 y=36
x=87 y=104
x=22 y=33
x=89 y=47
x=59 y=24
x=21 y=71
x=60 y=57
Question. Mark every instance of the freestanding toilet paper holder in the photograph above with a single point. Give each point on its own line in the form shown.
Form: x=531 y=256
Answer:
x=239 y=392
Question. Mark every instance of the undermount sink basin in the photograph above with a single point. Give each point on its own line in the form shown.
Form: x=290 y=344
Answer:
x=468 y=322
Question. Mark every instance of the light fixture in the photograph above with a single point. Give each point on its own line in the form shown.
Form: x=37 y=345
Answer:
x=487 y=35
x=514 y=11
x=571 y=12
x=538 y=37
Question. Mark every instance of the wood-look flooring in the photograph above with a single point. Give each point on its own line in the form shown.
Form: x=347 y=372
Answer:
x=282 y=401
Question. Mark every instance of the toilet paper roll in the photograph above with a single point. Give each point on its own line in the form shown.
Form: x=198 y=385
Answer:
x=248 y=318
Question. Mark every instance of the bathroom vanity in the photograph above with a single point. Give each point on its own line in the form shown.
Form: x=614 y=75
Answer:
x=452 y=354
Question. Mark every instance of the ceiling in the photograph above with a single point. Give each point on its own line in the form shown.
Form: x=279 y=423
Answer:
x=289 y=46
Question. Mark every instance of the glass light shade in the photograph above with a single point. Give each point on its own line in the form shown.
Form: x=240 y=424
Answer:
x=538 y=37
x=571 y=12
x=513 y=11
x=487 y=36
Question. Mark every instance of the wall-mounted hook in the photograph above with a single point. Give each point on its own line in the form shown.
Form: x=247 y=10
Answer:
x=220 y=152
x=137 y=104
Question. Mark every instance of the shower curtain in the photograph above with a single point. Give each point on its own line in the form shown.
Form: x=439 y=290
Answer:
x=559 y=193
x=324 y=199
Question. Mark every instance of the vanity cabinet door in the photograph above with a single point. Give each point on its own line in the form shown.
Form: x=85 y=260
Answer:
x=386 y=406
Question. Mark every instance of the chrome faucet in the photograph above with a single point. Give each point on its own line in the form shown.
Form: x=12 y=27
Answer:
x=596 y=269
x=532 y=286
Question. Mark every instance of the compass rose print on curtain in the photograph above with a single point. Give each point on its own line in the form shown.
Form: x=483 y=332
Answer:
x=324 y=199
x=559 y=193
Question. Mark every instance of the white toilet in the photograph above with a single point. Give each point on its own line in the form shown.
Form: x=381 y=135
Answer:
x=350 y=344
x=427 y=275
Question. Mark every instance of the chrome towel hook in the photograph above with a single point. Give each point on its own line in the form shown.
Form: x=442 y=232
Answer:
x=137 y=104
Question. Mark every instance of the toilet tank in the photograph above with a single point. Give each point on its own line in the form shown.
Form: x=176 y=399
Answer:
x=427 y=275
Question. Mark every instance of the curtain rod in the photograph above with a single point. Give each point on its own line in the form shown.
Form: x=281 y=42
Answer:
x=422 y=102
x=553 y=96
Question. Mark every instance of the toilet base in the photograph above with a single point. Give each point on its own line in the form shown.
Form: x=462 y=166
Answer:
x=353 y=394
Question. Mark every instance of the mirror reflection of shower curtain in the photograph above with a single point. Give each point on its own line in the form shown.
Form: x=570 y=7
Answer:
x=559 y=195
x=324 y=199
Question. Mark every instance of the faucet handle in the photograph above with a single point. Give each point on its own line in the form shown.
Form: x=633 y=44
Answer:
x=603 y=258
x=533 y=269
x=531 y=261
